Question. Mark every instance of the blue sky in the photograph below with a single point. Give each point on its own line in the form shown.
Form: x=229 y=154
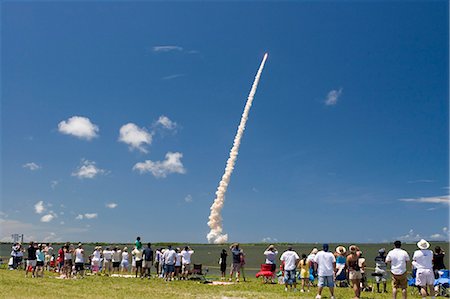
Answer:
x=347 y=138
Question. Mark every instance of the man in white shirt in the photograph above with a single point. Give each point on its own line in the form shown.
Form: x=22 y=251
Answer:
x=79 y=260
x=290 y=259
x=186 y=261
x=398 y=258
x=423 y=262
x=107 y=261
x=170 y=257
x=326 y=269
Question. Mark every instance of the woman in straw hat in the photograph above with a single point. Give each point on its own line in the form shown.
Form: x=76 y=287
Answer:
x=423 y=261
x=341 y=261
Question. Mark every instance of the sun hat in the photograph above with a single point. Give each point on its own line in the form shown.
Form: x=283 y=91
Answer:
x=423 y=244
x=341 y=249
x=382 y=250
x=353 y=249
x=314 y=251
x=271 y=247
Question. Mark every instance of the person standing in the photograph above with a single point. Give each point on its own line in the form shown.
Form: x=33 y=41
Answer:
x=223 y=263
x=271 y=255
x=289 y=260
x=303 y=265
x=124 y=263
x=79 y=260
x=116 y=259
x=148 y=260
x=423 y=261
x=326 y=269
x=354 y=270
x=170 y=257
x=95 y=262
x=398 y=259
x=186 y=261
x=107 y=261
x=137 y=254
x=236 y=266
x=158 y=256
x=40 y=261
x=381 y=270
x=31 y=262
x=438 y=261
x=178 y=268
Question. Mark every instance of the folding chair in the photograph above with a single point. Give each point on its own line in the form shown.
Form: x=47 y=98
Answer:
x=266 y=273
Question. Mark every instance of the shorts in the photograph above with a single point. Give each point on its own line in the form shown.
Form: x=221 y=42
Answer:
x=31 y=263
x=40 y=263
x=399 y=281
x=79 y=266
x=186 y=267
x=223 y=267
x=139 y=264
x=382 y=275
x=116 y=264
x=68 y=263
x=326 y=281
x=177 y=269
x=354 y=275
x=124 y=264
x=107 y=264
x=424 y=277
x=289 y=276
x=147 y=264
x=236 y=267
x=170 y=268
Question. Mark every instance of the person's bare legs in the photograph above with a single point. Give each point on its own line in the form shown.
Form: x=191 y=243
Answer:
x=404 y=293
x=356 y=287
x=394 y=293
x=332 y=291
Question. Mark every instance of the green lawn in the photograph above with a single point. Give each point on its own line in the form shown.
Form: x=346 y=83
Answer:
x=13 y=284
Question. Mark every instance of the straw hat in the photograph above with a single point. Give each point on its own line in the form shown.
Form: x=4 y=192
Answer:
x=341 y=249
x=423 y=244
x=271 y=247
x=314 y=251
x=353 y=249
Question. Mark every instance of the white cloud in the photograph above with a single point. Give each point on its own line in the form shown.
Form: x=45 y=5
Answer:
x=171 y=77
x=445 y=229
x=167 y=48
x=78 y=126
x=269 y=240
x=160 y=169
x=39 y=207
x=111 y=205
x=47 y=218
x=166 y=123
x=53 y=184
x=420 y=181
x=188 y=198
x=437 y=237
x=135 y=137
x=90 y=215
x=31 y=166
x=333 y=97
x=86 y=215
x=411 y=236
x=445 y=199
x=87 y=170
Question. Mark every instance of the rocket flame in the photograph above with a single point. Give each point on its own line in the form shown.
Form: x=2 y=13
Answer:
x=215 y=218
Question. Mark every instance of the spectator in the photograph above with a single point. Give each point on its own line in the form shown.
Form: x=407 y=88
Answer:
x=79 y=260
x=223 y=263
x=68 y=261
x=40 y=261
x=438 y=261
x=95 y=262
x=124 y=263
x=243 y=264
x=116 y=259
x=138 y=243
x=303 y=265
x=186 y=262
x=236 y=266
x=271 y=255
x=137 y=254
x=354 y=270
x=107 y=261
x=381 y=270
x=170 y=257
x=398 y=259
x=148 y=260
x=179 y=258
x=289 y=260
x=326 y=269
x=312 y=264
x=31 y=262
x=158 y=256
x=423 y=261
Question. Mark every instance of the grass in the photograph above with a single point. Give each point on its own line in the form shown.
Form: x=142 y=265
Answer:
x=13 y=284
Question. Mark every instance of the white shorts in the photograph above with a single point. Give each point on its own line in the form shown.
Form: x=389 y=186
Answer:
x=31 y=263
x=424 y=277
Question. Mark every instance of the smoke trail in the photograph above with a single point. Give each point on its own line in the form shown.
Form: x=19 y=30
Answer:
x=215 y=218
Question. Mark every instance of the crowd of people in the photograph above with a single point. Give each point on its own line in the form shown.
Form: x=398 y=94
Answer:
x=327 y=269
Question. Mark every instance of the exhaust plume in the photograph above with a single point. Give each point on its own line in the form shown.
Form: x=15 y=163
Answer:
x=215 y=218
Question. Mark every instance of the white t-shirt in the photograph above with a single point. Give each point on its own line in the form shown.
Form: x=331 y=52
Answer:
x=270 y=256
x=325 y=261
x=179 y=258
x=125 y=256
x=170 y=257
x=186 y=256
x=289 y=258
x=311 y=257
x=116 y=256
x=398 y=258
x=107 y=255
x=79 y=255
x=423 y=259
x=137 y=254
x=96 y=255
